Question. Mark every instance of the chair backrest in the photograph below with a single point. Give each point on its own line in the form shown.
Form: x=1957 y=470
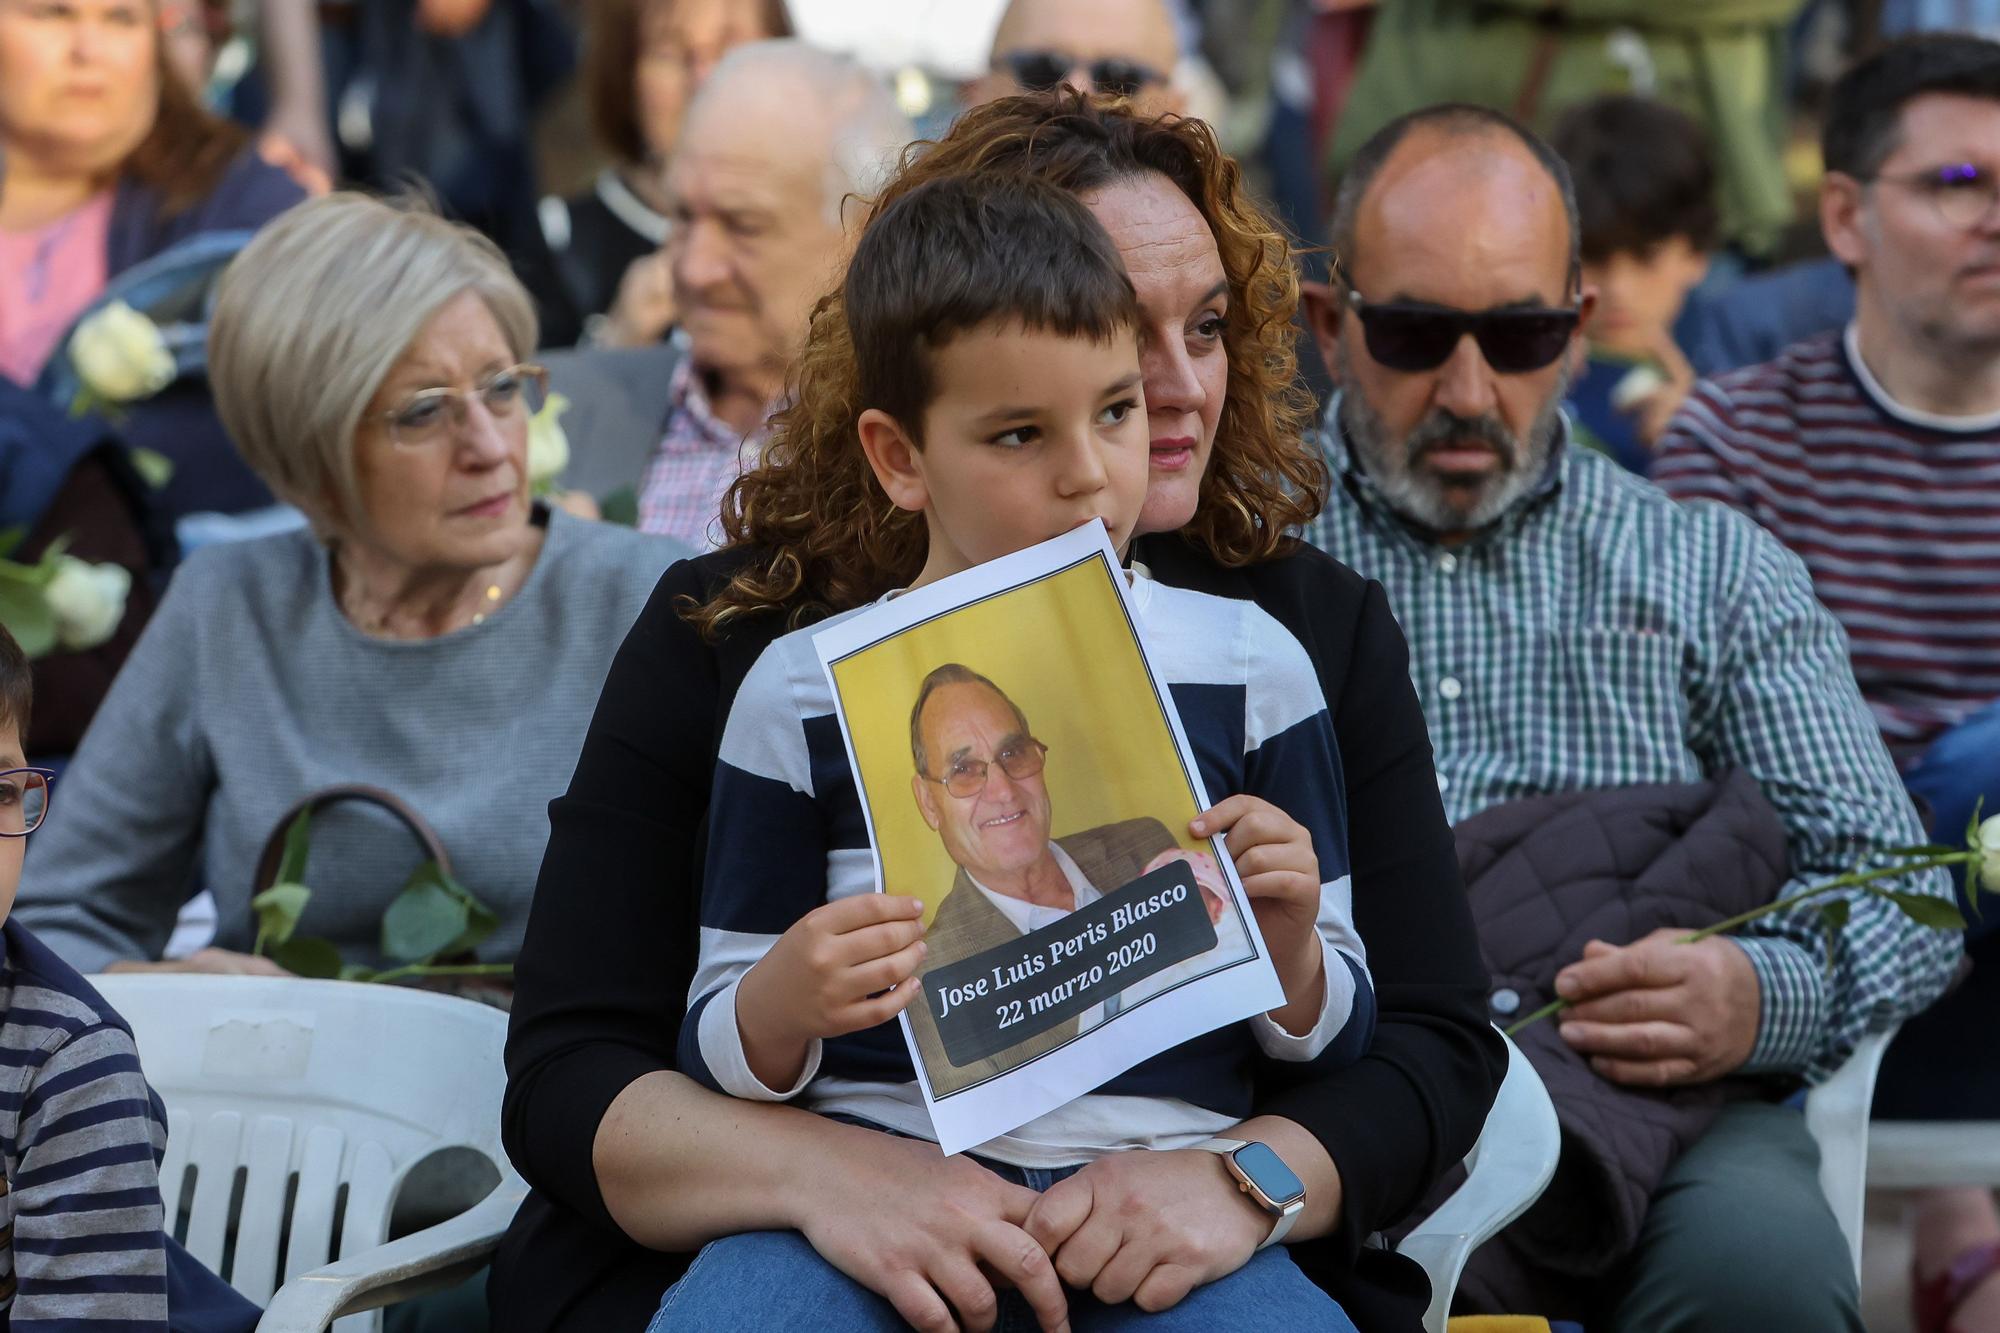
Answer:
x=1506 y=1171
x=297 y=1108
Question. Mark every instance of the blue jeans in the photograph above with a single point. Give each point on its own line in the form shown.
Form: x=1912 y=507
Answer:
x=776 y=1280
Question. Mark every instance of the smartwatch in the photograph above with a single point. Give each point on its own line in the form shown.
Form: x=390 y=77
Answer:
x=1263 y=1175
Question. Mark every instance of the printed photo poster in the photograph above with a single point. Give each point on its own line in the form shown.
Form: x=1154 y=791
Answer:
x=1024 y=773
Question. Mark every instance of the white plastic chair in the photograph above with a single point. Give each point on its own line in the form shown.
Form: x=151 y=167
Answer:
x=1837 y=1118
x=295 y=1111
x=1506 y=1171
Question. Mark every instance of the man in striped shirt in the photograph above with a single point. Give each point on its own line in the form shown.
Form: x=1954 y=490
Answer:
x=1572 y=628
x=1874 y=454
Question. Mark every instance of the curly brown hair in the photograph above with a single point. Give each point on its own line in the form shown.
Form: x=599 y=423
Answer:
x=826 y=536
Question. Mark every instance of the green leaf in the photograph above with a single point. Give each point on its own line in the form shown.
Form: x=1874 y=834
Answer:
x=11 y=539
x=1922 y=908
x=308 y=957
x=621 y=507
x=278 y=910
x=1972 y=825
x=356 y=972
x=25 y=612
x=298 y=839
x=1972 y=886
x=1834 y=912
x=434 y=916
x=154 y=468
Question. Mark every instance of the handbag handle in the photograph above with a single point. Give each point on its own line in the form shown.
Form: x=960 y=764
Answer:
x=274 y=846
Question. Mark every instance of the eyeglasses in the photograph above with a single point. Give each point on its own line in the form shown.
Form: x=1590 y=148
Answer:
x=434 y=415
x=1039 y=71
x=1962 y=192
x=1414 y=336
x=24 y=800
x=967 y=777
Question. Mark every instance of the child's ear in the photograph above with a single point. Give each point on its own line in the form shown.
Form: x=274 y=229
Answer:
x=895 y=459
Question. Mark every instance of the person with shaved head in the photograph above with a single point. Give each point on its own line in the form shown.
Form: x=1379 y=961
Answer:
x=1572 y=629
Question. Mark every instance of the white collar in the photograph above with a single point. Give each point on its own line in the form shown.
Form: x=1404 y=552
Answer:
x=629 y=208
x=1985 y=423
x=1025 y=917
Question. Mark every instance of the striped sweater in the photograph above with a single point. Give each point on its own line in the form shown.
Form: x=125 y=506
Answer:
x=786 y=833
x=1896 y=514
x=80 y=1138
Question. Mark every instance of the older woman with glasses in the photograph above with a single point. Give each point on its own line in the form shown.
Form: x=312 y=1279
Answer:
x=438 y=635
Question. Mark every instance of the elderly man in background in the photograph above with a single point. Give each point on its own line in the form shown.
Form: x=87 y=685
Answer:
x=1874 y=454
x=1572 y=630
x=1127 y=48
x=757 y=198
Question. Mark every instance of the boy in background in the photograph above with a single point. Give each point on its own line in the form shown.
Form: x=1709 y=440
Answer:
x=82 y=1238
x=1645 y=198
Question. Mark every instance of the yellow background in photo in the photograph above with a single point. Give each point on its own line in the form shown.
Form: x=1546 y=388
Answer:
x=1111 y=755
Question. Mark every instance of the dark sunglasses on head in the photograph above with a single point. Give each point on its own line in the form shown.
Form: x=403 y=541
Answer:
x=1038 y=71
x=1414 y=336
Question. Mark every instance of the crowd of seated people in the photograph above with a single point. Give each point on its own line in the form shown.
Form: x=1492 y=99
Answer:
x=1636 y=539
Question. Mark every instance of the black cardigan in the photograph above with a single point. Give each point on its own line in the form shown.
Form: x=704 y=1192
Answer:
x=603 y=975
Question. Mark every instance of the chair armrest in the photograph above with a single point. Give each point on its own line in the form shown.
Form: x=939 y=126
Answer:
x=429 y=1260
x=1506 y=1171
x=1837 y=1114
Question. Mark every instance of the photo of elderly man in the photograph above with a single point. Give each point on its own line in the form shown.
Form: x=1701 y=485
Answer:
x=980 y=786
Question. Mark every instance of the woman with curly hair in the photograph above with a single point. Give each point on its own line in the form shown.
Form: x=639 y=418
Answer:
x=635 y=1166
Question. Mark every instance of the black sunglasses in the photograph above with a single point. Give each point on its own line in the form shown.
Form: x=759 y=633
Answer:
x=1415 y=336
x=1038 y=71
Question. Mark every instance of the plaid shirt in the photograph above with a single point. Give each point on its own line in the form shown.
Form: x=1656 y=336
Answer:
x=1601 y=635
x=699 y=455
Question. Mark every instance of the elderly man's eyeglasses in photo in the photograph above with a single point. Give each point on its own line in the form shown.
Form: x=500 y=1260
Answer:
x=1038 y=71
x=1413 y=336
x=967 y=777
x=24 y=800
x=1962 y=192
x=435 y=415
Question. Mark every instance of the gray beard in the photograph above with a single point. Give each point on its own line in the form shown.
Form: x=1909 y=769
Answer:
x=1418 y=496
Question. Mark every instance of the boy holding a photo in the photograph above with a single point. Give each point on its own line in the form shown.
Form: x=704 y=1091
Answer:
x=987 y=344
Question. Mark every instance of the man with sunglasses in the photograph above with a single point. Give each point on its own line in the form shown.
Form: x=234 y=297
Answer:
x=1127 y=48
x=1571 y=628
x=1874 y=454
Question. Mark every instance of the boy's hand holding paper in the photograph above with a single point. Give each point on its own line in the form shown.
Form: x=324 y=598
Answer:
x=842 y=967
x=1280 y=872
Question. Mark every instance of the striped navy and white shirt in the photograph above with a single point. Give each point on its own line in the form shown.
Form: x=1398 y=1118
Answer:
x=1895 y=512
x=786 y=834
x=1602 y=635
x=80 y=1139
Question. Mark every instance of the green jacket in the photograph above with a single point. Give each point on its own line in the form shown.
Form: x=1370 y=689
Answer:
x=1721 y=61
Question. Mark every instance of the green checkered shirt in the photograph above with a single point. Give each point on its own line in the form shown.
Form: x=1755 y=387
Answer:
x=1601 y=635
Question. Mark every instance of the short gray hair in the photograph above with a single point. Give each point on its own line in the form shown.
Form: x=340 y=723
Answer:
x=951 y=673
x=314 y=313
x=869 y=131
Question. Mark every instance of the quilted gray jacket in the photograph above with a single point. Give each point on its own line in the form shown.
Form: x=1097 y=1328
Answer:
x=1546 y=875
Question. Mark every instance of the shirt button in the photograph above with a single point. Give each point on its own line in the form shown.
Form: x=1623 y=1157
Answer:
x=1504 y=1001
x=1447 y=562
x=1444 y=783
x=1449 y=688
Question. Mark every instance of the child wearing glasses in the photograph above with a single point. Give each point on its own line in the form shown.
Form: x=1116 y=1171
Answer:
x=981 y=370
x=82 y=1236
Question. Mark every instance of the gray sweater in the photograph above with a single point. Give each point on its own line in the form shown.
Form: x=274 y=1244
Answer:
x=250 y=689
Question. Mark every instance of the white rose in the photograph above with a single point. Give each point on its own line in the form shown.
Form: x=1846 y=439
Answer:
x=120 y=355
x=1989 y=854
x=87 y=600
x=548 y=447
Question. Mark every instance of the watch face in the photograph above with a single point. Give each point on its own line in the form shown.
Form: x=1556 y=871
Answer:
x=1269 y=1173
